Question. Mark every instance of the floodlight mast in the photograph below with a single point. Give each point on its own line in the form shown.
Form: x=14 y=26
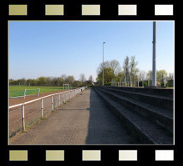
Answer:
x=103 y=66
x=154 y=55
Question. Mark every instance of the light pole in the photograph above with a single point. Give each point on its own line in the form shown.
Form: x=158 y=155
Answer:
x=103 y=66
x=154 y=55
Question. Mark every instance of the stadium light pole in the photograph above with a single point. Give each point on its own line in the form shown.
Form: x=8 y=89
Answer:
x=103 y=66
x=154 y=56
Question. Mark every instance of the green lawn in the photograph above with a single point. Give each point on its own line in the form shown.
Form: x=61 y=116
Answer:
x=15 y=91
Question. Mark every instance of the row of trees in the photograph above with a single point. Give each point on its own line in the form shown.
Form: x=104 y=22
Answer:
x=160 y=74
x=53 y=81
x=113 y=71
x=128 y=72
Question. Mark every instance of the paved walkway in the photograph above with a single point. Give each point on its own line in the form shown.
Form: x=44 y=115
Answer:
x=83 y=120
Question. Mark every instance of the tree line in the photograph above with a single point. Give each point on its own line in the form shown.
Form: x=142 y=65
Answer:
x=114 y=72
x=54 y=81
x=129 y=72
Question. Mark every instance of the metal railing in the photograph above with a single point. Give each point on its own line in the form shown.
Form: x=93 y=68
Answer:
x=22 y=116
x=142 y=83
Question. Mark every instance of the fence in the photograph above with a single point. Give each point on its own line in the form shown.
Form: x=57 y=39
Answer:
x=22 y=116
x=137 y=83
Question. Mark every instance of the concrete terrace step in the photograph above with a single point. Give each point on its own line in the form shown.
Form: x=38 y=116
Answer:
x=155 y=100
x=147 y=131
x=162 y=117
x=151 y=91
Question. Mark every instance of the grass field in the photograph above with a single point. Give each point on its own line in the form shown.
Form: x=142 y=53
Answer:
x=15 y=91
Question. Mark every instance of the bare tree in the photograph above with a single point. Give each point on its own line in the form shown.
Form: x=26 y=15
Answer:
x=100 y=68
x=63 y=76
x=115 y=65
x=126 y=67
x=133 y=67
x=82 y=78
x=142 y=75
x=90 y=79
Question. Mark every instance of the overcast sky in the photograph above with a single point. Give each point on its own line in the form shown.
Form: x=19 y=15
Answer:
x=53 y=48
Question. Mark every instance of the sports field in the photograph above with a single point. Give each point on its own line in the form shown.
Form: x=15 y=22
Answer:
x=15 y=91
